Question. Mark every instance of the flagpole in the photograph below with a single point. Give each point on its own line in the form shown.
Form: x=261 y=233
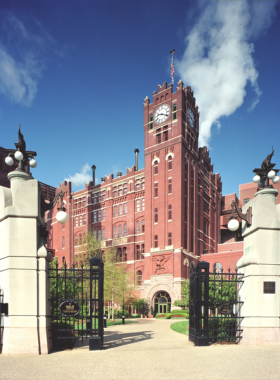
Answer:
x=172 y=66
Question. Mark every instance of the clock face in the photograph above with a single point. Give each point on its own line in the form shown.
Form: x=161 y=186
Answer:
x=162 y=114
x=191 y=118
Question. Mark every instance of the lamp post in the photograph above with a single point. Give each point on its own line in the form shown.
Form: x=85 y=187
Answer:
x=123 y=316
x=262 y=177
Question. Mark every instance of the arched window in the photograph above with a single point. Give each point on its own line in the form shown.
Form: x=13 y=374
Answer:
x=120 y=230
x=99 y=235
x=139 y=278
x=63 y=242
x=104 y=233
x=143 y=226
x=138 y=227
x=156 y=167
x=115 y=232
x=217 y=268
x=174 y=111
x=156 y=215
x=169 y=238
x=156 y=189
x=125 y=230
x=76 y=239
x=169 y=212
x=63 y=226
x=169 y=163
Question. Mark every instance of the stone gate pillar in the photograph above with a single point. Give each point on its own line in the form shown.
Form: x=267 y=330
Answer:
x=24 y=267
x=260 y=264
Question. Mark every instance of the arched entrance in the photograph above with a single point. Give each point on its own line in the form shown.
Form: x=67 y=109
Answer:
x=162 y=302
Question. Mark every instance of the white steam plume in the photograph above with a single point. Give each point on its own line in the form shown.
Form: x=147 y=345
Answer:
x=218 y=61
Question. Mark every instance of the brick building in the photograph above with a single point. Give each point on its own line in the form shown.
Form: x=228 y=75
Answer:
x=160 y=217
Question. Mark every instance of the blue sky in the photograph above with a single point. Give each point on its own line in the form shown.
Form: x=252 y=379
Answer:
x=74 y=74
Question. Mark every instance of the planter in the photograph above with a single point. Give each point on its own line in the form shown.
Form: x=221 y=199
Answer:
x=152 y=316
x=146 y=316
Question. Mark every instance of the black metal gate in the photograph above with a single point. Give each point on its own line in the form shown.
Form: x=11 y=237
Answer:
x=3 y=310
x=76 y=305
x=214 y=306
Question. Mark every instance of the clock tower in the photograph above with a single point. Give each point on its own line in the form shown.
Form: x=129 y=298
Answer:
x=179 y=189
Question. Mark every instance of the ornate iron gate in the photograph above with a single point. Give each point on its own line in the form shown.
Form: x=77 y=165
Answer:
x=76 y=305
x=214 y=305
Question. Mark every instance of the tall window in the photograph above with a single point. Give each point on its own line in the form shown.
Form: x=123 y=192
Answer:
x=206 y=227
x=120 y=230
x=115 y=210
x=103 y=195
x=143 y=204
x=138 y=205
x=99 y=235
x=99 y=197
x=99 y=216
x=158 y=138
x=139 y=278
x=138 y=253
x=151 y=122
x=169 y=212
x=104 y=214
x=143 y=226
x=156 y=167
x=76 y=240
x=138 y=227
x=115 y=232
x=138 y=184
x=95 y=234
x=156 y=241
x=174 y=112
x=170 y=186
x=125 y=230
x=120 y=210
x=156 y=189
x=85 y=219
x=143 y=183
x=169 y=238
x=169 y=163
x=104 y=234
x=125 y=208
x=95 y=216
x=142 y=248
x=119 y=254
x=124 y=254
x=63 y=226
x=76 y=222
x=165 y=136
x=125 y=188
x=156 y=215
x=63 y=242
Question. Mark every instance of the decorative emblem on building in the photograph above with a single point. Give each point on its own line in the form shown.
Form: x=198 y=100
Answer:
x=119 y=241
x=160 y=262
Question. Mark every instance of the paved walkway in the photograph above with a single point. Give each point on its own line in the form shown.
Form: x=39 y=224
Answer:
x=147 y=350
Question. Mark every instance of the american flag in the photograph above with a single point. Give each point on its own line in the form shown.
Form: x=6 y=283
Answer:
x=172 y=69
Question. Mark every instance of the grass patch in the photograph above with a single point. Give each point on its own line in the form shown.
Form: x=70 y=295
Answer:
x=181 y=327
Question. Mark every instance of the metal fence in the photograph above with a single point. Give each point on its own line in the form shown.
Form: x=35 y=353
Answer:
x=76 y=305
x=214 y=305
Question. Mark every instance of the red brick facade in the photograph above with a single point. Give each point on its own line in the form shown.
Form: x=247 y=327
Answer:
x=159 y=217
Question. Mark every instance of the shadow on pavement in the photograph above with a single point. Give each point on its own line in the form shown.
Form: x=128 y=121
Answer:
x=116 y=339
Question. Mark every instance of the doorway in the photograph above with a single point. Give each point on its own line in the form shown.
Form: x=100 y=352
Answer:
x=162 y=303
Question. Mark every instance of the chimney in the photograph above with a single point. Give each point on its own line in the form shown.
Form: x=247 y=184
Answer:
x=103 y=179
x=93 y=174
x=136 y=158
x=119 y=174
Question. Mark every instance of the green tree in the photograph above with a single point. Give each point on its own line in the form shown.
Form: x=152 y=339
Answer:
x=221 y=291
x=185 y=291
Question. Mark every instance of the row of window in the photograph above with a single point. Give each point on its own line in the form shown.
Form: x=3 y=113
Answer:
x=79 y=202
x=80 y=220
x=120 y=210
x=169 y=239
x=169 y=213
x=169 y=187
x=169 y=165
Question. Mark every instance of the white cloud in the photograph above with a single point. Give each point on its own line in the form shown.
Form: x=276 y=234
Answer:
x=79 y=179
x=22 y=58
x=218 y=61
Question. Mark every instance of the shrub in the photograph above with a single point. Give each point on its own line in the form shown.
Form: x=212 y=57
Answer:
x=120 y=313
x=135 y=316
x=222 y=328
x=160 y=315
